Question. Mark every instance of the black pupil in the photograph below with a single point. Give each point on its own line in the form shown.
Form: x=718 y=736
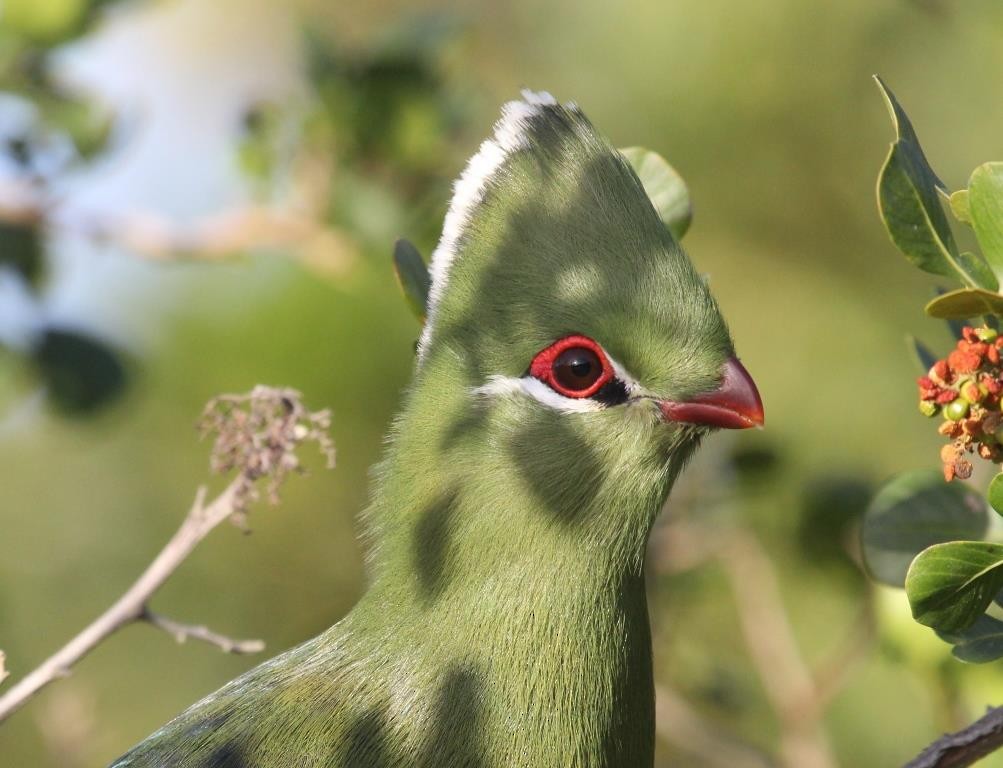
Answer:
x=577 y=369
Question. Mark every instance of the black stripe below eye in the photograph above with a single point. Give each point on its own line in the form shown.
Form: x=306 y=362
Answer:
x=613 y=392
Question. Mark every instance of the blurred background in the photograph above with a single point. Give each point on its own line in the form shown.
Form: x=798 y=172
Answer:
x=196 y=197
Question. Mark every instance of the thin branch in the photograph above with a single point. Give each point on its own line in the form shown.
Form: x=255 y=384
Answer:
x=768 y=635
x=182 y=632
x=257 y=435
x=681 y=546
x=297 y=224
x=964 y=747
x=132 y=605
x=798 y=694
x=679 y=724
x=830 y=676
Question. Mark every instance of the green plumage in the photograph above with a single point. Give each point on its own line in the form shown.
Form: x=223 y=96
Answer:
x=506 y=622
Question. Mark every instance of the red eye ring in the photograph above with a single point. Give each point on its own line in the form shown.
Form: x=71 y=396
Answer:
x=544 y=367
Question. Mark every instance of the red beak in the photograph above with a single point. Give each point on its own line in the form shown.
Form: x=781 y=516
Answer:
x=734 y=405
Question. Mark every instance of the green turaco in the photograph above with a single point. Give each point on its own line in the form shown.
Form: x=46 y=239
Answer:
x=570 y=363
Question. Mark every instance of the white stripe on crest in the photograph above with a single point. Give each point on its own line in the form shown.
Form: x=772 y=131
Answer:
x=509 y=136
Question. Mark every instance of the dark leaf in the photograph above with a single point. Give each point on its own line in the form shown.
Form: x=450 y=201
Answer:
x=912 y=512
x=412 y=274
x=832 y=507
x=982 y=642
x=910 y=206
x=81 y=373
x=21 y=249
x=950 y=585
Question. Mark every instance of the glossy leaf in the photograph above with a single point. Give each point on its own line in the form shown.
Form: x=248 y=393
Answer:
x=665 y=187
x=964 y=303
x=985 y=206
x=81 y=374
x=980 y=643
x=921 y=354
x=912 y=512
x=950 y=585
x=909 y=204
x=412 y=274
x=995 y=493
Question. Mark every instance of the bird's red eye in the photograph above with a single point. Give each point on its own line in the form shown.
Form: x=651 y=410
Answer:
x=574 y=366
x=577 y=368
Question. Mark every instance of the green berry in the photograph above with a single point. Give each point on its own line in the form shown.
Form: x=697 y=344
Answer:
x=928 y=408
x=972 y=392
x=986 y=334
x=956 y=410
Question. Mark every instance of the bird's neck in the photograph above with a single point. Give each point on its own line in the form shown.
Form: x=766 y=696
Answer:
x=482 y=564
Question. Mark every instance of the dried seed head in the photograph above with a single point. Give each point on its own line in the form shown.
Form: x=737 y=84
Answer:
x=258 y=433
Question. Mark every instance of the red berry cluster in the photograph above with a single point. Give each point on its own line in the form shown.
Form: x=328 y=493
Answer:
x=966 y=388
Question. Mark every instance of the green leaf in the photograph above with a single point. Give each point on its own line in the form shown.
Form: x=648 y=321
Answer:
x=985 y=206
x=959 y=206
x=912 y=512
x=412 y=274
x=980 y=643
x=665 y=188
x=909 y=205
x=995 y=493
x=964 y=303
x=950 y=585
x=921 y=354
x=81 y=374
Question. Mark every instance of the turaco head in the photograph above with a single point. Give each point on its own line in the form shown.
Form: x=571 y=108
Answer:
x=572 y=357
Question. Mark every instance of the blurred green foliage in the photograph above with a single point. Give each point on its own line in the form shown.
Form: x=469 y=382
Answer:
x=767 y=111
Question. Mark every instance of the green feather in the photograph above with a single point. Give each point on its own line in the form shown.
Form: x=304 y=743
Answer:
x=506 y=622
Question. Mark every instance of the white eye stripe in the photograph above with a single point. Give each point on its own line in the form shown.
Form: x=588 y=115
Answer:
x=507 y=385
x=530 y=385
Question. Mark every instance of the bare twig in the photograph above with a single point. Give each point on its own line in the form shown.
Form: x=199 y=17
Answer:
x=4 y=674
x=678 y=723
x=798 y=694
x=298 y=224
x=964 y=747
x=182 y=632
x=681 y=546
x=830 y=676
x=768 y=635
x=257 y=435
x=132 y=605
